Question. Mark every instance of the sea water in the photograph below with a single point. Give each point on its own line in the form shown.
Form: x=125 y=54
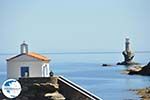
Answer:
x=85 y=69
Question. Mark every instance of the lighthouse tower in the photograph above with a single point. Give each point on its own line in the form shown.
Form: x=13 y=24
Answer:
x=127 y=44
x=128 y=55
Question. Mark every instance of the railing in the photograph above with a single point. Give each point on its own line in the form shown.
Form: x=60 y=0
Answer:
x=78 y=88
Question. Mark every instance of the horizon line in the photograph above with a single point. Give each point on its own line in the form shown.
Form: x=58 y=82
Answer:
x=78 y=52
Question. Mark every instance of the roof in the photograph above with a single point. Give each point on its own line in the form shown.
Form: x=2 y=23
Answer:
x=38 y=56
x=33 y=55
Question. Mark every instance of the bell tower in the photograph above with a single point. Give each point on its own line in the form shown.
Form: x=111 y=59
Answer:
x=23 y=48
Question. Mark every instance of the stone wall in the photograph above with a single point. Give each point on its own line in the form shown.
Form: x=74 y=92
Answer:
x=40 y=88
x=51 y=88
x=32 y=80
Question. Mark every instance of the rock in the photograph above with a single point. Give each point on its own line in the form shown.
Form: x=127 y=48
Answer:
x=36 y=90
x=145 y=70
x=134 y=70
x=128 y=56
x=54 y=96
x=144 y=93
x=48 y=87
x=127 y=63
x=23 y=98
x=25 y=88
x=106 y=65
x=140 y=70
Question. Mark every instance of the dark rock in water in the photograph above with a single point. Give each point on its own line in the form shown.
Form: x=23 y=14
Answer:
x=106 y=65
x=127 y=63
x=131 y=72
x=143 y=71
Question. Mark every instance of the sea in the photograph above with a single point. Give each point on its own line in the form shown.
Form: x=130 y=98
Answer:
x=86 y=70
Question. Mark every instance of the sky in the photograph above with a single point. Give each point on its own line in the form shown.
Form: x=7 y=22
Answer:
x=74 y=25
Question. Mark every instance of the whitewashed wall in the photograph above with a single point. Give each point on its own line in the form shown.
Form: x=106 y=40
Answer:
x=14 y=65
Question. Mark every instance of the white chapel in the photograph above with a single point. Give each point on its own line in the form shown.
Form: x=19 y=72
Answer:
x=27 y=64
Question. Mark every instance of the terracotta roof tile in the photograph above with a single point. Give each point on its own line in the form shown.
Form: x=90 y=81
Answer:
x=31 y=54
x=37 y=56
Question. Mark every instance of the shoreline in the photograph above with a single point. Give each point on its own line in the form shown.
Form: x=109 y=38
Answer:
x=143 y=93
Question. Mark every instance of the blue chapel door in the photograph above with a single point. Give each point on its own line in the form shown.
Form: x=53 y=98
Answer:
x=24 y=71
